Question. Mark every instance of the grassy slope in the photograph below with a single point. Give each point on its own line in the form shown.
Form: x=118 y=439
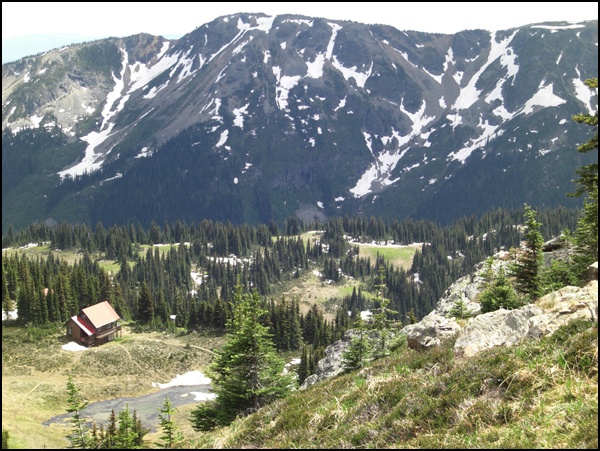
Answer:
x=541 y=394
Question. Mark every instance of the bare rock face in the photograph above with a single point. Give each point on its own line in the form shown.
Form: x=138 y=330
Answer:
x=481 y=331
x=439 y=324
x=593 y=271
x=498 y=328
x=509 y=327
x=430 y=331
x=332 y=364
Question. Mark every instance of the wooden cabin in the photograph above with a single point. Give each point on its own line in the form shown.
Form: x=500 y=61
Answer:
x=94 y=326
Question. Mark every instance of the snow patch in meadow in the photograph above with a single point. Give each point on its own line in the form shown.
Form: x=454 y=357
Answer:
x=72 y=346
x=201 y=396
x=189 y=378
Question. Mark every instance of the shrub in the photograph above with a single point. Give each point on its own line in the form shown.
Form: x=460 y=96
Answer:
x=209 y=415
x=560 y=274
x=499 y=294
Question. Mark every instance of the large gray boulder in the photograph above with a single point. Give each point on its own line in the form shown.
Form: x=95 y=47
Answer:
x=498 y=328
x=430 y=331
x=332 y=364
x=439 y=324
x=546 y=316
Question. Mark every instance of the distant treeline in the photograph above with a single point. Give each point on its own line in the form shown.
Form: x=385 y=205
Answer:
x=150 y=286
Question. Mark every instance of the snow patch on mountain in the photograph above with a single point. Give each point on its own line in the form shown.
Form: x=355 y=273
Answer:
x=584 y=94
x=499 y=50
x=544 y=97
x=379 y=173
x=92 y=161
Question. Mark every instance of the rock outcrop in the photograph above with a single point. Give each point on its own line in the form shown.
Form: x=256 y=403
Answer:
x=439 y=324
x=482 y=331
x=546 y=316
x=332 y=364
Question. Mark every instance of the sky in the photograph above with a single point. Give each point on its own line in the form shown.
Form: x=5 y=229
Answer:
x=178 y=18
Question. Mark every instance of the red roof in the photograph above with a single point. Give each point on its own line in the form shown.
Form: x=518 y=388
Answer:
x=101 y=314
x=83 y=325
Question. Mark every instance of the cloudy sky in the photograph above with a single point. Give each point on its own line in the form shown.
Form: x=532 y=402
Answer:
x=178 y=18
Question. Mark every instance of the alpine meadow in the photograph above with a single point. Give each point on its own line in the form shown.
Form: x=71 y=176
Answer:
x=296 y=232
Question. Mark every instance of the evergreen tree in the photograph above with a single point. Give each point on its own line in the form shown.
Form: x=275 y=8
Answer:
x=145 y=307
x=8 y=305
x=499 y=293
x=359 y=350
x=111 y=430
x=247 y=373
x=303 y=367
x=75 y=404
x=528 y=267
x=126 y=431
x=139 y=431
x=380 y=318
x=170 y=435
x=586 y=236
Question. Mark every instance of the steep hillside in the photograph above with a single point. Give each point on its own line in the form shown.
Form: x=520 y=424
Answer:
x=525 y=378
x=540 y=394
x=252 y=118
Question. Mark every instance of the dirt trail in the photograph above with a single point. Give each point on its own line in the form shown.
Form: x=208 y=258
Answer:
x=182 y=345
x=131 y=359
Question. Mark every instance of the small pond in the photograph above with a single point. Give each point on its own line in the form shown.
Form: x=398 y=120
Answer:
x=146 y=406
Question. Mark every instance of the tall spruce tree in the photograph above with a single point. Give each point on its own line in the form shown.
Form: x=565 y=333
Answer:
x=170 y=434
x=247 y=373
x=359 y=350
x=380 y=320
x=8 y=305
x=586 y=236
x=528 y=267
x=75 y=404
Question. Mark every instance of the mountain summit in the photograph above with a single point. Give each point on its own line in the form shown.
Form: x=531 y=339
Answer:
x=255 y=118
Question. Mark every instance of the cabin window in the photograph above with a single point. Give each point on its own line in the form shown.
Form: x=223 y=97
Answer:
x=69 y=331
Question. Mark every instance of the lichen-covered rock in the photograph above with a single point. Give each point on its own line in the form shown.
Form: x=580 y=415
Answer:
x=430 y=331
x=509 y=327
x=501 y=327
x=332 y=364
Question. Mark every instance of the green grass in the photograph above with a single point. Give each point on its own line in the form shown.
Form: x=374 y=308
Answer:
x=71 y=256
x=542 y=394
x=162 y=249
x=400 y=257
x=35 y=368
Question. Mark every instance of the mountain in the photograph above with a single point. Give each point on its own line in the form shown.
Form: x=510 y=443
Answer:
x=252 y=118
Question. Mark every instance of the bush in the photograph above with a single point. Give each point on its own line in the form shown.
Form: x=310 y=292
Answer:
x=499 y=294
x=460 y=311
x=209 y=415
x=560 y=274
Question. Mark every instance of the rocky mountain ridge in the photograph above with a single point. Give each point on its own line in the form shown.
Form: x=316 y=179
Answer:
x=252 y=118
